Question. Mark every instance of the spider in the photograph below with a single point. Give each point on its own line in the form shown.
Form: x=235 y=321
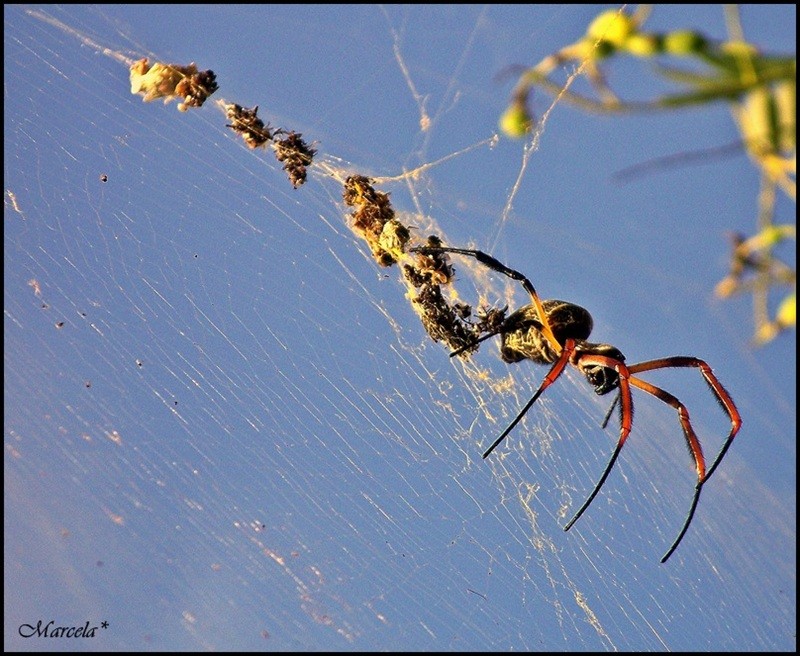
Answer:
x=556 y=332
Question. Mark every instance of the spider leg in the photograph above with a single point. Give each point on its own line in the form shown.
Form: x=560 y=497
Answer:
x=496 y=265
x=610 y=410
x=626 y=422
x=724 y=400
x=721 y=394
x=475 y=342
x=694 y=448
x=555 y=371
x=686 y=523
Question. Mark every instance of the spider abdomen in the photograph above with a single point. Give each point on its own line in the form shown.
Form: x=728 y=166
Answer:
x=522 y=337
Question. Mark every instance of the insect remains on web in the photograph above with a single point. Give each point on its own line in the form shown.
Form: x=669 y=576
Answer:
x=172 y=82
x=374 y=220
x=556 y=333
x=295 y=154
x=245 y=122
x=444 y=319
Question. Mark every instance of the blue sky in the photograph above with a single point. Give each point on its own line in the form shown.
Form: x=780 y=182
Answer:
x=241 y=438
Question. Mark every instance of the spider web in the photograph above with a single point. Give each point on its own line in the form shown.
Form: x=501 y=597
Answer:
x=225 y=427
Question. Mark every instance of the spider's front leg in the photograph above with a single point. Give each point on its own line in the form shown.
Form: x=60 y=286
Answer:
x=555 y=371
x=495 y=265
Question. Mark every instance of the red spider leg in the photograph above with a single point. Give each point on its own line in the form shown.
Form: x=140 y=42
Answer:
x=626 y=421
x=694 y=448
x=683 y=416
x=555 y=371
x=721 y=394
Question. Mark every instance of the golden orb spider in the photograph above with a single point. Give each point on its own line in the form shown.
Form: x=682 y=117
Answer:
x=556 y=332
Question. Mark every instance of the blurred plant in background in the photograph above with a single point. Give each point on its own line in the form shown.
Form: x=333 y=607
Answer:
x=761 y=92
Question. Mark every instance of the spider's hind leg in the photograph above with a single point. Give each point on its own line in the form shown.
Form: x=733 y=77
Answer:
x=686 y=522
x=692 y=442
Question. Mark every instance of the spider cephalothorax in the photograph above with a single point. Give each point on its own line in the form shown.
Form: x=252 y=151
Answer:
x=603 y=379
x=556 y=333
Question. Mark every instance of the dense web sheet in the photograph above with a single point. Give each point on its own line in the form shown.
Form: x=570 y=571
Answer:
x=225 y=427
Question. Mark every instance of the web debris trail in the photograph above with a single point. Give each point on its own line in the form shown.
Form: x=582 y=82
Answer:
x=193 y=87
x=373 y=220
